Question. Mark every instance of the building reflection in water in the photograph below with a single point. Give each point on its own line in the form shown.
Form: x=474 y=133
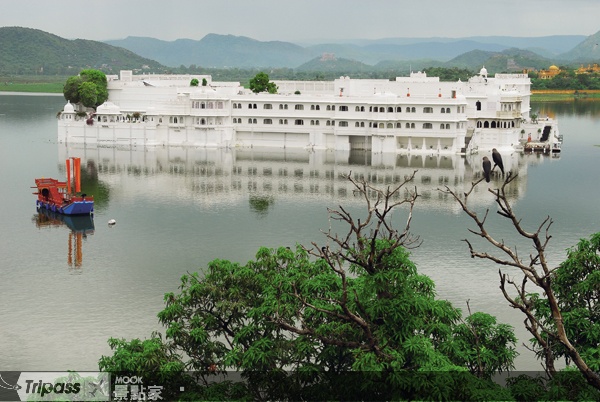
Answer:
x=79 y=228
x=209 y=177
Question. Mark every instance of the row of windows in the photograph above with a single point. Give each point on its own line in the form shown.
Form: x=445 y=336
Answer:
x=208 y=105
x=494 y=124
x=344 y=108
x=300 y=122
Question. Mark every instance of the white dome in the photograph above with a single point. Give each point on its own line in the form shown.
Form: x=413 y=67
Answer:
x=69 y=108
x=108 y=108
x=483 y=71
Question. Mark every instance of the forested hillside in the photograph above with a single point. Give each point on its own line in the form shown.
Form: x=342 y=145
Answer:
x=27 y=51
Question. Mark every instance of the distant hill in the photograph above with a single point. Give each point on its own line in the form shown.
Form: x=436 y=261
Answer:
x=217 y=51
x=586 y=51
x=509 y=60
x=29 y=51
x=228 y=51
x=333 y=64
x=33 y=52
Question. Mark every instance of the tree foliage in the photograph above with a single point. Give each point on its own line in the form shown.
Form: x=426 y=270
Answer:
x=352 y=318
x=90 y=88
x=261 y=83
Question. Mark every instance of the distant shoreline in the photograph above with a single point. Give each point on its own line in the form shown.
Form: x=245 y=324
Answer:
x=30 y=93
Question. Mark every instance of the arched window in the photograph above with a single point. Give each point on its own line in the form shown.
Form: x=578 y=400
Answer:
x=343 y=124
x=362 y=108
x=202 y=105
x=317 y=123
x=427 y=125
x=413 y=109
x=318 y=107
x=447 y=126
x=357 y=109
x=478 y=105
x=299 y=107
x=343 y=108
x=312 y=122
x=267 y=106
x=235 y=105
x=398 y=109
x=427 y=109
x=312 y=107
x=299 y=122
x=493 y=124
x=381 y=109
x=203 y=121
x=412 y=125
x=486 y=124
x=390 y=125
x=447 y=110
x=398 y=125
x=249 y=121
x=407 y=125
x=390 y=109
x=328 y=107
x=357 y=124
x=381 y=125
x=442 y=126
x=407 y=109
x=443 y=110
x=362 y=124
x=280 y=121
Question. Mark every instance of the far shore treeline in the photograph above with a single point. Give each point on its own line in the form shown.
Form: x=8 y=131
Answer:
x=564 y=86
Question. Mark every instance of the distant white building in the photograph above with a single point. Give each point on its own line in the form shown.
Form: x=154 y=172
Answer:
x=411 y=114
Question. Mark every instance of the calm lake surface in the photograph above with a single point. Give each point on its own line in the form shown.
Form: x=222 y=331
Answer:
x=67 y=286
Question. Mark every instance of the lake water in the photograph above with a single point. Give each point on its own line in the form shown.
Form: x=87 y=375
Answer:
x=67 y=286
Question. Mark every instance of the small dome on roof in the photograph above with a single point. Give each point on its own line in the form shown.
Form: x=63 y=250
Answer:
x=553 y=67
x=69 y=108
x=483 y=71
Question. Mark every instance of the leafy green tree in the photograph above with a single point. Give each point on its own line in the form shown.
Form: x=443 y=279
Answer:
x=576 y=285
x=349 y=319
x=71 y=89
x=99 y=79
x=261 y=83
x=88 y=94
x=89 y=88
x=204 y=82
x=194 y=82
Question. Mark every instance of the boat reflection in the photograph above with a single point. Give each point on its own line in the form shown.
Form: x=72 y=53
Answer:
x=212 y=177
x=79 y=226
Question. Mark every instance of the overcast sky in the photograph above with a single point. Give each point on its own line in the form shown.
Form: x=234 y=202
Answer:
x=302 y=20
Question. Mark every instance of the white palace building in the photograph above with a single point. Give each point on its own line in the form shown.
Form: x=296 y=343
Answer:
x=416 y=114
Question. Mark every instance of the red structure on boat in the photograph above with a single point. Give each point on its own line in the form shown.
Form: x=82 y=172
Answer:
x=57 y=196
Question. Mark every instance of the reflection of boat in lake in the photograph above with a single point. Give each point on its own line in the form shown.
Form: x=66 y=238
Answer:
x=57 y=196
x=77 y=223
x=80 y=227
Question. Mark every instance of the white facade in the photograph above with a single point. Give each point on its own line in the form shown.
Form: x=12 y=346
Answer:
x=411 y=114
